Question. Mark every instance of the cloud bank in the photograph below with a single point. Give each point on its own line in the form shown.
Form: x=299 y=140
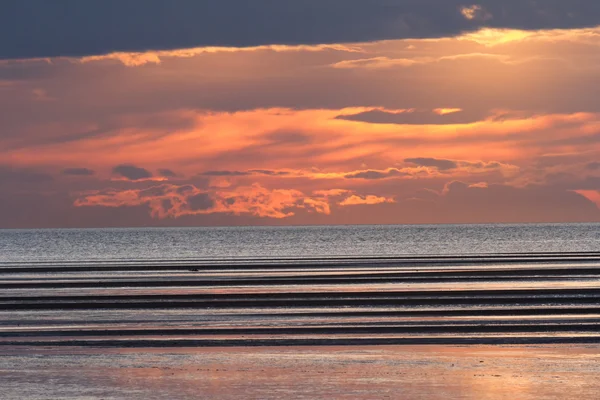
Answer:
x=40 y=28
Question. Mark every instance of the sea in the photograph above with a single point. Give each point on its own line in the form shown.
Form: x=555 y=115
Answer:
x=135 y=244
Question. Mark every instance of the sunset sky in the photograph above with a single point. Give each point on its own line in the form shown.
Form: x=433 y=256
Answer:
x=277 y=112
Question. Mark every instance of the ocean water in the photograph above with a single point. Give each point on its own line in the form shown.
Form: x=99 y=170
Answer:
x=61 y=245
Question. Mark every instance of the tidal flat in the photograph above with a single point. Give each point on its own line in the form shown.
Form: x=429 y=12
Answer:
x=369 y=372
x=517 y=325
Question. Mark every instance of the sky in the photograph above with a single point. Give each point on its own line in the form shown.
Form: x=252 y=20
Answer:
x=201 y=113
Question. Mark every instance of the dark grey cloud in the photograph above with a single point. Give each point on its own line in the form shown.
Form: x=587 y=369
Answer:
x=425 y=195
x=185 y=189
x=440 y=164
x=132 y=172
x=593 y=166
x=155 y=191
x=560 y=178
x=461 y=203
x=570 y=182
x=225 y=173
x=14 y=175
x=411 y=118
x=374 y=174
x=200 y=201
x=167 y=173
x=499 y=203
x=78 y=171
x=41 y=28
x=266 y=172
x=166 y=204
x=287 y=137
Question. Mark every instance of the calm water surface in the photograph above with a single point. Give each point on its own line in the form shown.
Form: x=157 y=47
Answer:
x=299 y=242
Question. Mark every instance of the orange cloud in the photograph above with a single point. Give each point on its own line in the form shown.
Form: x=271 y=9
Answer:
x=380 y=62
x=479 y=185
x=275 y=132
x=475 y=12
x=370 y=199
x=331 y=192
x=387 y=62
x=136 y=59
x=261 y=142
x=445 y=111
x=174 y=201
x=491 y=37
x=592 y=195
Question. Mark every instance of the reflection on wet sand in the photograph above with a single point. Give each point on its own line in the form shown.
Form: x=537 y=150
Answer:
x=108 y=331
x=503 y=298
x=409 y=372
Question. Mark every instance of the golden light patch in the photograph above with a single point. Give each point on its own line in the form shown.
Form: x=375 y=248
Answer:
x=475 y=12
x=494 y=37
x=482 y=185
x=136 y=59
x=366 y=200
x=491 y=37
x=469 y=12
x=445 y=111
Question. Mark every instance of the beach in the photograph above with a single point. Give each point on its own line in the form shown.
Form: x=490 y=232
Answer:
x=493 y=299
x=490 y=325
x=369 y=372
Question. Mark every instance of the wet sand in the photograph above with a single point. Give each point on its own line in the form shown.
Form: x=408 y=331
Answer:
x=495 y=326
x=369 y=372
x=489 y=299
